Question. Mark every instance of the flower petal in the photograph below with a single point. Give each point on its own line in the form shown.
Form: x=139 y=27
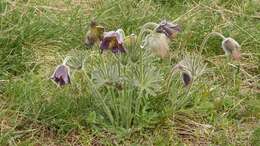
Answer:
x=168 y=28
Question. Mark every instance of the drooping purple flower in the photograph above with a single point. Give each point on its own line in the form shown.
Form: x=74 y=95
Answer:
x=185 y=74
x=61 y=75
x=187 y=78
x=113 y=41
x=168 y=28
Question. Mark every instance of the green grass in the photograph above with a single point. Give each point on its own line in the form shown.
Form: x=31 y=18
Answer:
x=129 y=99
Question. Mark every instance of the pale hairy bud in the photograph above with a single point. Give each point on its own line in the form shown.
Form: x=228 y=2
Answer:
x=158 y=43
x=231 y=47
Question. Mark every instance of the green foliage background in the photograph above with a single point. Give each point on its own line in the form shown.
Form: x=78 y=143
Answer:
x=221 y=107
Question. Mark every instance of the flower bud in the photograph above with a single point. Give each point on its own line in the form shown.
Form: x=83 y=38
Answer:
x=158 y=43
x=231 y=47
x=94 y=35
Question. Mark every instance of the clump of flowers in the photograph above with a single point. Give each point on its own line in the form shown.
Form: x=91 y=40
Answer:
x=158 y=36
x=230 y=46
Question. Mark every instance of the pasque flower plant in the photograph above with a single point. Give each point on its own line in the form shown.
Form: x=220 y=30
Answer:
x=121 y=91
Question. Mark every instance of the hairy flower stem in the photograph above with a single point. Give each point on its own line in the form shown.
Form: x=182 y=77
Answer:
x=208 y=36
x=100 y=97
x=116 y=110
x=121 y=31
x=168 y=82
x=169 y=78
x=71 y=66
x=138 y=105
x=146 y=28
x=66 y=60
x=141 y=37
x=149 y=25
x=139 y=97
